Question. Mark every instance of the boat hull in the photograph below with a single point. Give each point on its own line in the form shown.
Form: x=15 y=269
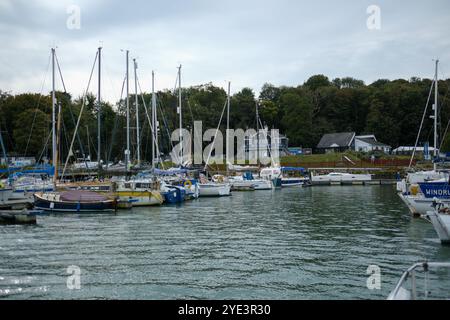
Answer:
x=441 y=223
x=262 y=184
x=49 y=205
x=141 y=198
x=174 y=194
x=419 y=205
x=214 y=190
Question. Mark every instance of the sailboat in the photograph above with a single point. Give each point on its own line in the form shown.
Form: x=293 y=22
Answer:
x=74 y=201
x=219 y=187
x=413 y=189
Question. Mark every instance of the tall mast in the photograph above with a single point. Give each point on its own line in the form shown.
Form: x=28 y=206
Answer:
x=155 y=130
x=58 y=138
x=138 y=152
x=54 y=150
x=99 y=109
x=179 y=111
x=2 y=145
x=257 y=133
x=435 y=113
x=127 y=151
x=228 y=126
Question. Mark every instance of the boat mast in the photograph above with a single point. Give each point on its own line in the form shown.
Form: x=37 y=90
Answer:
x=58 y=137
x=228 y=126
x=99 y=109
x=127 y=151
x=3 y=148
x=54 y=151
x=257 y=134
x=138 y=152
x=179 y=111
x=435 y=114
x=155 y=130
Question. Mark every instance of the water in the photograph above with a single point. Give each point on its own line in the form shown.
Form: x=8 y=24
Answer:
x=310 y=243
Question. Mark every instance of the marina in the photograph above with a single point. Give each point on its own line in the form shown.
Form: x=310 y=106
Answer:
x=224 y=151
x=293 y=243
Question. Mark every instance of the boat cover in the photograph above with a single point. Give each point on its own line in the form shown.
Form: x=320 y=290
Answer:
x=82 y=196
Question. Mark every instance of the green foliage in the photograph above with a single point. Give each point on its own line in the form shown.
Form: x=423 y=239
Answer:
x=392 y=110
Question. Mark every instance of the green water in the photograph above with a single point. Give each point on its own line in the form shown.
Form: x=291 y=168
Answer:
x=310 y=243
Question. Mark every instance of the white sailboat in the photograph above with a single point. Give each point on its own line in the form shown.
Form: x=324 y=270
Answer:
x=408 y=189
x=216 y=189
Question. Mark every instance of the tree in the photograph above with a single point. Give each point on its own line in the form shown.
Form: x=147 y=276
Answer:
x=34 y=143
x=317 y=81
x=297 y=119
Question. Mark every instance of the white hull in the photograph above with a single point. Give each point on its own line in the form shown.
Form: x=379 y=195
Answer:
x=292 y=182
x=420 y=205
x=340 y=178
x=441 y=223
x=214 y=189
x=262 y=184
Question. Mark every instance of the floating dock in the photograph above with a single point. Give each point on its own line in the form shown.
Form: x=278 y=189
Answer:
x=355 y=183
x=18 y=216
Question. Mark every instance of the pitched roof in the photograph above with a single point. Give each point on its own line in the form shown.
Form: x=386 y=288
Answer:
x=372 y=142
x=336 y=140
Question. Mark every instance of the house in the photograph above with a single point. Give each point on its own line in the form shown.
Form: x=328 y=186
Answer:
x=336 y=142
x=343 y=141
x=368 y=143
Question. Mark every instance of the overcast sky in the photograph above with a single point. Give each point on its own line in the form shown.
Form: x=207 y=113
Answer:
x=246 y=42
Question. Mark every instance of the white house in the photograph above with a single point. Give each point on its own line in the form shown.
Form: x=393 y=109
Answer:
x=342 y=141
x=368 y=143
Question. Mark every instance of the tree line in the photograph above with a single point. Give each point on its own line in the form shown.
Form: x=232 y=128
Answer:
x=392 y=110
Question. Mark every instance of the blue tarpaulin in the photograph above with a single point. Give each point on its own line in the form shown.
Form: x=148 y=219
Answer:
x=293 y=169
x=41 y=169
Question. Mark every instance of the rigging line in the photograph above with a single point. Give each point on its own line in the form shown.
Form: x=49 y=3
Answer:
x=116 y=120
x=70 y=110
x=166 y=125
x=60 y=74
x=176 y=85
x=79 y=117
x=442 y=104
x=43 y=149
x=154 y=133
x=215 y=135
x=37 y=106
x=421 y=124
x=190 y=111
x=107 y=75
x=65 y=137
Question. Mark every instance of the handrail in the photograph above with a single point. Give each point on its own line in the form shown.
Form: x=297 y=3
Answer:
x=410 y=271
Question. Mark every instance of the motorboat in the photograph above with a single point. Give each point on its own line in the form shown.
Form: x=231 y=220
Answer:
x=340 y=178
x=141 y=192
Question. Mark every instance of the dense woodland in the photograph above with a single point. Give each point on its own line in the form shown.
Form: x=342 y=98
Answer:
x=392 y=110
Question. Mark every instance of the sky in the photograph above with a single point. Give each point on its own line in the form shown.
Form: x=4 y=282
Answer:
x=247 y=42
